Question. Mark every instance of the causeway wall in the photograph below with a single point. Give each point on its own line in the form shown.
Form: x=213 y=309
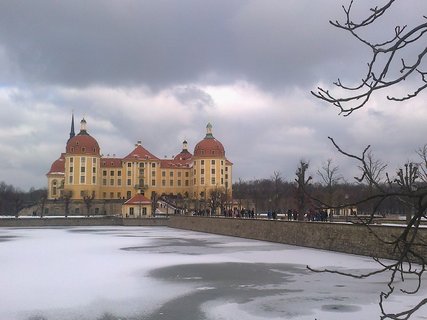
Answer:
x=340 y=237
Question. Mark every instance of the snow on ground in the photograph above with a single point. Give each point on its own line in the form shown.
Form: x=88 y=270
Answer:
x=155 y=273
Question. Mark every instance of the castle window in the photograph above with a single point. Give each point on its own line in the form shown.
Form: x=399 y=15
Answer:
x=202 y=171
x=104 y=173
x=104 y=182
x=119 y=173
x=71 y=159
x=129 y=182
x=111 y=182
x=213 y=180
x=222 y=180
x=202 y=162
x=163 y=183
x=70 y=179
x=213 y=171
x=186 y=174
x=141 y=165
x=93 y=180
x=202 y=180
x=213 y=162
x=94 y=161
x=153 y=165
x=71 y=169
x=129 y=173
x=179 y=174
x=153 y=183
x=171 y=183
x=93 y=170
x=111 y=195
x=186 y=183
x=129 y=164
x=82 y=179
x=112 y=173
x=179 y=183
x=171 y=173
x=82 y=169
x=119 y=182
x=163 y=173
x=153 y=173
x=83 y=159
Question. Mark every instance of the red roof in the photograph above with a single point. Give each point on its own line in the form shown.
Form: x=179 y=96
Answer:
x=140 y=153
x=138 y=199
x=58 y=166
x=83 y=143
x=111 y=163
x=209 y=147
x=183 y=155
x=175 y=164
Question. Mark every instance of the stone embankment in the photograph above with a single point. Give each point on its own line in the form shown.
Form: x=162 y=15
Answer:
x=340 y=237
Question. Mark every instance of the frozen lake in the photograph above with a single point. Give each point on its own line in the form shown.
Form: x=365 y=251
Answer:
x=156 y=273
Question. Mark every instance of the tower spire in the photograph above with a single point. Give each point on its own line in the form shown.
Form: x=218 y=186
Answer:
x=72 y=133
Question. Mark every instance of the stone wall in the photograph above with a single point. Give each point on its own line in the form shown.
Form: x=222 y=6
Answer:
x=340 y=237
x=75 y=222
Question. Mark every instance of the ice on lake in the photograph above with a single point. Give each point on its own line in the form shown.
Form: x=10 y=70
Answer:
x=158 y=273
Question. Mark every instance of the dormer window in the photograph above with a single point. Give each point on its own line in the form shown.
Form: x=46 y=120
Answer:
x=83 y=149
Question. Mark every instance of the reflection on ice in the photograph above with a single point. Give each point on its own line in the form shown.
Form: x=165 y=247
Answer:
x=159 y=273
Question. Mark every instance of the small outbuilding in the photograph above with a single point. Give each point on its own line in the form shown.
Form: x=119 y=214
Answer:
x=136 y=207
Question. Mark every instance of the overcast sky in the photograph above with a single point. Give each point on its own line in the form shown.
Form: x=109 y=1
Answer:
x=159 y=71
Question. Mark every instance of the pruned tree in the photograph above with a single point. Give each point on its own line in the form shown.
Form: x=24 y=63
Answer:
x=215 y=199
x=302 y=183
x=88 y=200
x=394 y=58
x=277 y=182
x=154 y=200
x=66 y=197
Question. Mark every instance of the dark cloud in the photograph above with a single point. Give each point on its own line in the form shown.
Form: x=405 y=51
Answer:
x=161 y=43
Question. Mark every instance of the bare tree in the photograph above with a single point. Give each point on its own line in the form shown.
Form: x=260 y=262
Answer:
x=302 y=183
x=277 y=181
x=88 y=200
x=393 y=60
x=66 y=197
x=329 y=178
x=42 y=202
x=408 y=246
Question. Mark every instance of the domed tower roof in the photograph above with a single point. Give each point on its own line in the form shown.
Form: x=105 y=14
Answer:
x=184 y=154
x=209 y=147
x=83 y=142
x=58 y=166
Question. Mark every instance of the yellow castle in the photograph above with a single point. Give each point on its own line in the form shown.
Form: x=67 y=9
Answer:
x=82 y=173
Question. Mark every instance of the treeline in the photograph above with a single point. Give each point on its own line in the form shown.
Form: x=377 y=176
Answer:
x=280 y=195
x=12 y=199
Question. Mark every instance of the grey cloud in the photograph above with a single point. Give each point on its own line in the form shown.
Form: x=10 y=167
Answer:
x=161 y=43
x=192 y=95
